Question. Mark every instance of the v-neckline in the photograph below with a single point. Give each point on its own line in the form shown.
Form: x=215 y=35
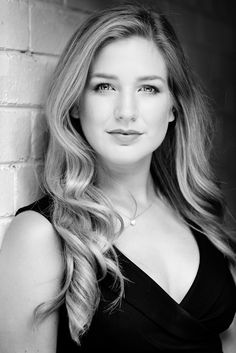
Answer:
x=149 y=278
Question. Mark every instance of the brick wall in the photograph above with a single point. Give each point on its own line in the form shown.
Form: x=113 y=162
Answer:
x=32 y=35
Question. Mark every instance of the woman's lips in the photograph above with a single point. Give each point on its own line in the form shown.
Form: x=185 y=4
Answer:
x=125 y=137
x=124 y=132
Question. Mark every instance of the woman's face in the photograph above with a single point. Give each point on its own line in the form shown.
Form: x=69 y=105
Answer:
x=126 y=105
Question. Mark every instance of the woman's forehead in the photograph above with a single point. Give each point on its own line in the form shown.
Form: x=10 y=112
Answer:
x=128 y=56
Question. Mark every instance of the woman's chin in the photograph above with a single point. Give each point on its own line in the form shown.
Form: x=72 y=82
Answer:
x=126 y=160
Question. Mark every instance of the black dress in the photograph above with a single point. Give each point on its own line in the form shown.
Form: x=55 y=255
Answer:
x=149 y=320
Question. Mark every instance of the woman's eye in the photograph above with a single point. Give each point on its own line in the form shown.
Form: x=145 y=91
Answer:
x=150 y=89
x=103 y=87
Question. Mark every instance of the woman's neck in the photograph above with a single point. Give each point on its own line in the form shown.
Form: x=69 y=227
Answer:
x=120 y=182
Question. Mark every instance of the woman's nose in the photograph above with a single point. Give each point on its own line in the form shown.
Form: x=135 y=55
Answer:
x=126 y=109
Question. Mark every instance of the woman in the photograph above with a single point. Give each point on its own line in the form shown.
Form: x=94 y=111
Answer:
x=128 y=250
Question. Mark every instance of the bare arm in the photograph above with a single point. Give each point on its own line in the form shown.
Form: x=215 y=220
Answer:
x=229 y=338
x=30 y=273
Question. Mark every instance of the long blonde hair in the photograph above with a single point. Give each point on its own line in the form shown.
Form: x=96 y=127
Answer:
x=83 y=216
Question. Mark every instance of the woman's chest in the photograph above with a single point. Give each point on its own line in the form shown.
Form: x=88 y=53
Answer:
x=168 y=255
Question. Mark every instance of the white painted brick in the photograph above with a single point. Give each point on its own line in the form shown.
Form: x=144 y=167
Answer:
x=51 y=27
x=14 y=32
x=15 y=134
x=24 y=78
x=27 y=185
x=4 y=224
x=6 y=192
x=39 y=135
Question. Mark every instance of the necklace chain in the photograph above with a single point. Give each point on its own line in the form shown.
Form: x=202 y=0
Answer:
x=132 y=220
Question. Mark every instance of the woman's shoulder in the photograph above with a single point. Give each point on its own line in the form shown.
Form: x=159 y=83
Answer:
x=32 y=224
x=31 y=238
x=43 y=206
x=31 y=270
x=31 y=233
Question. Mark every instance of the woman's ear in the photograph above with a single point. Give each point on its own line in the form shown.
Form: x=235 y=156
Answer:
x=74 y=112
x=173 y=114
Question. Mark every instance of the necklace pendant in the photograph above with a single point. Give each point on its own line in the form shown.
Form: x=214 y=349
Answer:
x=133 y=222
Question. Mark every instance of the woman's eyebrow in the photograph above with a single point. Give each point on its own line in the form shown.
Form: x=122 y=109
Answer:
x=151 y=78
x=113 y=77
x=100 y=75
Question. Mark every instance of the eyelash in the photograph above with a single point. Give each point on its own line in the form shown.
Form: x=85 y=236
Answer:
x=155 y=90
x=97 y=88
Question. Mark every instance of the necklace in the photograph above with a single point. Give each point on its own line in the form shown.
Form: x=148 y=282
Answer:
x=132 y=220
